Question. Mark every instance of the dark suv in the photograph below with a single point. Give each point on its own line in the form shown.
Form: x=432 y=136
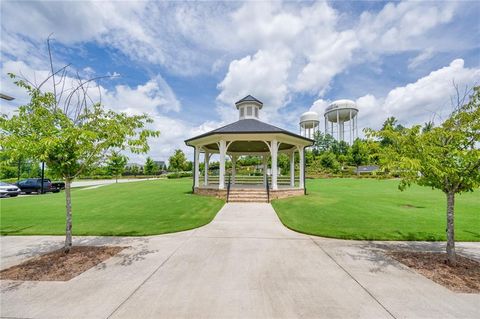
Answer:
x=31 y=185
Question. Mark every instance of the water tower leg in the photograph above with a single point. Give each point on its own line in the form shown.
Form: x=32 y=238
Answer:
x=356 y=124
x=338 y=126
x=350 y=126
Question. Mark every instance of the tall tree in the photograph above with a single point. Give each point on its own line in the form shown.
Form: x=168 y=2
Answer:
x=150 y=167
x=391 y=123
x=116 y=164
x=67 y=131
x=178 y=161
x=359 y=153
x=323 y=142
x=447 y=158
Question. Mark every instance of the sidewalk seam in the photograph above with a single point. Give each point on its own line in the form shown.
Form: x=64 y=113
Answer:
x=149 y=276
x=351 y=276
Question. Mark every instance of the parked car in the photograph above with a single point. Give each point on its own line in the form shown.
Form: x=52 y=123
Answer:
x=59 y=185
x=34 y=185
x=8 y=190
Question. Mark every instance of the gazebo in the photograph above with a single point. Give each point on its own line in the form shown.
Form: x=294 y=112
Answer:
x=249 y=136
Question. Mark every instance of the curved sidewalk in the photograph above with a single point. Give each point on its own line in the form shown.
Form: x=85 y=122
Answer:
x=245 y=264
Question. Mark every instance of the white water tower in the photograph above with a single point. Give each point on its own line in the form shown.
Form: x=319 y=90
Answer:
x=309 y=124
x=339 y=115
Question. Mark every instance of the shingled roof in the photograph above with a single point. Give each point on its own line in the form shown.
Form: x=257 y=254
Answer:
x=246 y=126
x=248 y=98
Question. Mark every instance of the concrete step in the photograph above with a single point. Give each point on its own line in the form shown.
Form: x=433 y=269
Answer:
x=247 y=200
x=248 y=197
x=247 y=192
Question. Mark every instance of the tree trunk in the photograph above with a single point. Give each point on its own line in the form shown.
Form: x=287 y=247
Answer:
x=451 y=256
x=358 y=172
x=68 y=224
x=116 y=178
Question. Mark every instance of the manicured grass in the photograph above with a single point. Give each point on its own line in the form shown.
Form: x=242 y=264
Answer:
x=377 y=210
x=128 y=209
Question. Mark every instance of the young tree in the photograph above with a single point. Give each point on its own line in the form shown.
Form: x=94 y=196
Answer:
x=116 y=164
x=150 y=167
x=134 y=170
x=446 y=157
x=359 y=153
x=329 y=162
x=65 y=129
x=178 y=161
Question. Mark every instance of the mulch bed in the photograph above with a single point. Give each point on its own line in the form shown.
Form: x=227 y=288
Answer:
x=464 y=277
x=58 y=266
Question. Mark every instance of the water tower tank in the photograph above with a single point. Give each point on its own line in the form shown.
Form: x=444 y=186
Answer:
x=309 y=124
x=339 y=114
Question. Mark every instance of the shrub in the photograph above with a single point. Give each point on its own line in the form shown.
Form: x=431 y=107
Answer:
x=179 y=175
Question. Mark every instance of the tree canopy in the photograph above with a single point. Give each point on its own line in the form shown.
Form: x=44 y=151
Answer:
x=178 y=161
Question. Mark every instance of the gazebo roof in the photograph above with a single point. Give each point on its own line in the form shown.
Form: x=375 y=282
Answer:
x=249 y=98
x=248 y=126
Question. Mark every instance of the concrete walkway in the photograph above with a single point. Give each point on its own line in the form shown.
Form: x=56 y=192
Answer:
x=245 y=264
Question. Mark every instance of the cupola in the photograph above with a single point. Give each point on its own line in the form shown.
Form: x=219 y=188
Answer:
x=248 y=108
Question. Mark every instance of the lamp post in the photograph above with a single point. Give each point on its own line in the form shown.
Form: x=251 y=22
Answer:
x=43 y=176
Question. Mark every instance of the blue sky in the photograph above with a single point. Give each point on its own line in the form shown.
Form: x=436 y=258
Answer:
x=185 y=63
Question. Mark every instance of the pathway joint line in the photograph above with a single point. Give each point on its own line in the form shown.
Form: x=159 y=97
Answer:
x=251 y=237
x=351 y=276
x=150 y=276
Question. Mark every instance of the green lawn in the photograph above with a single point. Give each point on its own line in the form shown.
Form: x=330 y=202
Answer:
x=127 y=209
x=376 y=209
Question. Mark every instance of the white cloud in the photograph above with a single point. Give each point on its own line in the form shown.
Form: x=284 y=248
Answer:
x=264 y=75
x=331 y=56
x=319 y=106
x=421 y=101
x=152 y=97
x=425 y=55
x=402 y=26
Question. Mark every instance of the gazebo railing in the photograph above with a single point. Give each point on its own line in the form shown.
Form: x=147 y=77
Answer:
x=228 y=187
x=267 y=184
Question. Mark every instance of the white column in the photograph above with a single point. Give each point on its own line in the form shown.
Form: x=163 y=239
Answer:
x=221 y=177
x=205 y=162
x=302 y=166
x=234 y=169
x=273 y=151
x=292 y=169
x=265 y=167
x=197 y=165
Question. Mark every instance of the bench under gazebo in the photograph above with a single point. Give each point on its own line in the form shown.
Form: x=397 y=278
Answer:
x=249 y=136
